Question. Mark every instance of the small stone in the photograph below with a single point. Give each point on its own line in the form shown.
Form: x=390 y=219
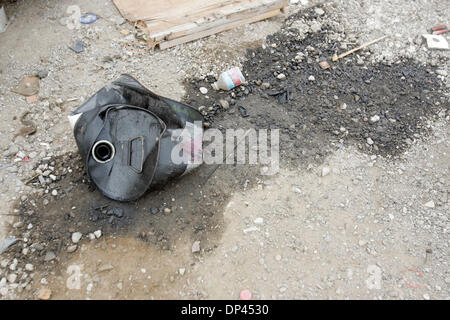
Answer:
x=72 y=248
x=105 y=267
x=324 y=65
x=369 y=141
x=316 y=26
x=181 y=271
x=325 y=171
x=203 y=90
x=319 y=11
x=167 y=210
x=45 y=294
x=311 y=78
x=32 y=99
x=43 y=73
x=278 y=257
x=426 y=296
x=259 y=220
x=374 y=119
x=12 y=278
x=224 y=103
x=4 y=291
x=196 y=247
x=98 y=233
x=18 y=224
x=430 y=204
x=49 y=256
x=55 y=192
x=91 y=236
x=76 y=237
x=29 y=267
x=281 y=76
x=362 y=243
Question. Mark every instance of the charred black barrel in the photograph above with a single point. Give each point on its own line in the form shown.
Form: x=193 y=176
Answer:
x=127 y=135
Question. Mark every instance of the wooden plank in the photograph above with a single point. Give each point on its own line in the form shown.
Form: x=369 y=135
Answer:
x=195 y=15
x=165 y=10
x=221 y=28
x=222 y=17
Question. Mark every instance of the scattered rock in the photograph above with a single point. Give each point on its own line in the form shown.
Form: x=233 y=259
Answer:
x=72 y=248
x=76 y=237
x=78 y=47
x=325 y=171
x=49 y=256
x=259 y=220
x=12 y=278
x=319 y=11
x=324 y=65
x=430 y=204
x=224 y=103
x=203 y=90
x=98 y=233
x=105 y=267
x=29 y=267
x=196 y=247
x=374 y=119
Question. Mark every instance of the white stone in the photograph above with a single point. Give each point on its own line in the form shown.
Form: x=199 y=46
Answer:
x=29 y=267
x=76 y=237
x=429 y=204
x=196 y=247
x=98 y=233
x=325 y=171
x=374 y=119
x=259 y=220
x=12 y=278
x=319 y=11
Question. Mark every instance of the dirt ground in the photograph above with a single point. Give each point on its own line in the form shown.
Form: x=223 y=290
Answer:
x=358 y=210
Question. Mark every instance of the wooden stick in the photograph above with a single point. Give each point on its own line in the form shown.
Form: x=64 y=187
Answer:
x=217 y=29
x=337 y=57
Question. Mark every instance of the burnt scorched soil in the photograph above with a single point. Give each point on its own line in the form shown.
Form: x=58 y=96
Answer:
x=379 y=108
x=186 y=209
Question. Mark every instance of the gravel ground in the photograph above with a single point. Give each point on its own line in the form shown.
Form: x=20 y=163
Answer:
x=342 y=219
